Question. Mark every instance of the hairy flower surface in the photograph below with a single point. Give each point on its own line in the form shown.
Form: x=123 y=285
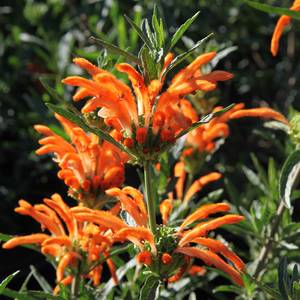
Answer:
x=69 y=241
x=282 y=23
x=150 y=117
x=88 y=166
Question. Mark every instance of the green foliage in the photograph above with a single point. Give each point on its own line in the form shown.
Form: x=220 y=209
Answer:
x=289 y=174
x=273 y=9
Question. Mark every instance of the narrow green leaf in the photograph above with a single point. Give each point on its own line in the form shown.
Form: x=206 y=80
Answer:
x=116 y=50
x=78 y=120
x=40 y=279
x=205 y=119
x=6 y=281
x=150 y=288
x=17 y=295
x=181 y=30
x=288 y=175
x=283 y=278
x=273 y=9
x=272 y=292
x=43 y=295
x=159 y=30
x=227 y=289
x=139 y=32
x=43 y=79
x=178 y=59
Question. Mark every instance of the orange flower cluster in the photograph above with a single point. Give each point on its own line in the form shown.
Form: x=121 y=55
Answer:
x=283 y=22
x=151 y=117
x=198 y=236
x=69 y=241
x=203 y=138
x=88 y=166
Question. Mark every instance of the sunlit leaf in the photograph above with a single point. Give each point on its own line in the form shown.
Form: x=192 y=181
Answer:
x=116 y=50
x=289 y=173
x=181 y=30
x=150 y=288
x=273 y=9
x=6 y=281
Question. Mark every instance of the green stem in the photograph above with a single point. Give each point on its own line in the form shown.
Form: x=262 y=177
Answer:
x=75 y=284
x=267 y=248
x=149 y=196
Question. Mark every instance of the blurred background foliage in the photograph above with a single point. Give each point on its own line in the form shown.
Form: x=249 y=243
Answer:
x=40 y=38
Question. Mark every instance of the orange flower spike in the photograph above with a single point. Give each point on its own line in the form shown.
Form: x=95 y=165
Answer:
x=64 y=262
x=210 y=258
x=180 y=173
x=36 y=238
x=165 y=208
x=53 y=250
x=168 y=59
x=262 y=112
x=166 y=258
x=113 y=177
x=203 y=228
x=128 y=142
x=218 y=247
x=199 y=184
x=282 y=22
x=203 y=212
x=144 y=257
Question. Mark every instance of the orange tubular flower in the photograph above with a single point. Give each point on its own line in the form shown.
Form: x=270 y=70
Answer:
x=280 y=26
x=198 y=234
x=197 y=185
x=149 y=112
x=87 y=167
x=203 y=138
x=67 y=239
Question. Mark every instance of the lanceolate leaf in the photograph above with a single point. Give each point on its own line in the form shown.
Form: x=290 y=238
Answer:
x=78 y=120
x=150 y=288
x=178 y=59
x=6 y=281
x=116 y=50
x=181 y=30
x=140 y=33
x=205 y=119
x=273 y=9
x=288 y=176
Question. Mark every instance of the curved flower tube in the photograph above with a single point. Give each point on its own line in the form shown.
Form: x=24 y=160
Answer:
x=282 y=22
x=203 y=138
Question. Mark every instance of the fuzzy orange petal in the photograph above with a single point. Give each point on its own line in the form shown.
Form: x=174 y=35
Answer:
x=210 y=258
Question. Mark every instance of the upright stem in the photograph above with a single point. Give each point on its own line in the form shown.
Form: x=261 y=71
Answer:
x=149 y=196
x=75 y=286
x=262 y=260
